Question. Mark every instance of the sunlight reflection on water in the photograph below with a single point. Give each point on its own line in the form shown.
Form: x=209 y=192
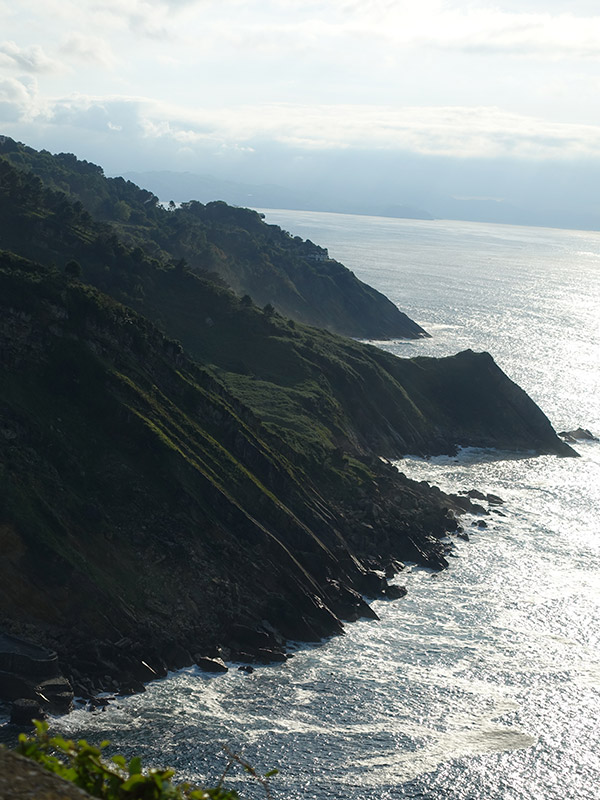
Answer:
x=484 y=681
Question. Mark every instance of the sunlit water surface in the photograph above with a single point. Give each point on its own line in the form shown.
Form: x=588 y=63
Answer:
x=484 y=682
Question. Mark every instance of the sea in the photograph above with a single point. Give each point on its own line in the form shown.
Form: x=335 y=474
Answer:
x=483 y=683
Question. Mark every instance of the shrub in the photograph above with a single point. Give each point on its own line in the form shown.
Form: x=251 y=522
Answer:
x=115 y=779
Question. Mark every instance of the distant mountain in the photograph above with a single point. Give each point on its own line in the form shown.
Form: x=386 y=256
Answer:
x=183 y=186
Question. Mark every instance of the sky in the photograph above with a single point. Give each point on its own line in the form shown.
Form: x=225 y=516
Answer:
x=475 y=102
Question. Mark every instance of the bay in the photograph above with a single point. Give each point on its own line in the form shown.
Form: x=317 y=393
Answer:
x=484 y=682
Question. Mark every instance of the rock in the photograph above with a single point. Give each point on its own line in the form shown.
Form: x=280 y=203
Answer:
x=373 y=582
x=30 y=671
x=348 y=603
x=270 y=656
x=240 y=655
x=246 y=668
x=393 y=568
x=58 y=693
x=100 y=702
x=24 y=658
x=177 y=656
x=475 y=494
x=250 y=638
x=23 y=779
x=142 y=671
x=581 y=434
x=395 y=592
x=211 y=664
x=463 y=535
x=494 y=500
x=450 y=522
x=24 y=710
x=131 y=687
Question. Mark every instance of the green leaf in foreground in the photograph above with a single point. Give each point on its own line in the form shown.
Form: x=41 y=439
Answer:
x=114 y=779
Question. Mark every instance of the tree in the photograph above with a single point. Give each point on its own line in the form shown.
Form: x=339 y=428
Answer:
x=73 y=269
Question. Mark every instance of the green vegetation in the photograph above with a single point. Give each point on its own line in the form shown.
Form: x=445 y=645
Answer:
x=113 y=778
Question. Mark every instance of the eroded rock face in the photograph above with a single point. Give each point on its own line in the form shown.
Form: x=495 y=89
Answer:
x=23 y=779
x=31 y=675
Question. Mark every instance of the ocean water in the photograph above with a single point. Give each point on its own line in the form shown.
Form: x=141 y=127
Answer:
x=484 y=682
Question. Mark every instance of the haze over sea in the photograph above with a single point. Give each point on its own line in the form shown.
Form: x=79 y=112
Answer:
x=484 y=682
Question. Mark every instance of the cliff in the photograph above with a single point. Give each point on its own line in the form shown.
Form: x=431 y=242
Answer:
x=152 y=511
x=185 y=474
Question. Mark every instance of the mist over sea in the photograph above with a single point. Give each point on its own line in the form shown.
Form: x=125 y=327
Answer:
x=484 y=682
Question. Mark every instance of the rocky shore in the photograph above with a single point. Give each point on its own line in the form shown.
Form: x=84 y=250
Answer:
x=98 y=669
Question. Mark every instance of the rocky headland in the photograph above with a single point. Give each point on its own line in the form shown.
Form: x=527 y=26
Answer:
x=187 y=477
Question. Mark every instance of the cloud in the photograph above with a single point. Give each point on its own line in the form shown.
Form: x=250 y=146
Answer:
x=30 y=59
x=465 y=27
x=112 y=115
x=19 y=100
x=483 y=132
x=146 y=18
x=89 y=48
x=524 y=34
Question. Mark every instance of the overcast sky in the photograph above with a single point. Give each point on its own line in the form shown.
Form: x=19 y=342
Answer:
x=210 y=86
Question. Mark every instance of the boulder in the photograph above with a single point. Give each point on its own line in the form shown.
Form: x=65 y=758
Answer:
x=24 y=710
x=211 y=664
x=348 y=603
x=474 y=494
x=450 y=522
x=270 y=656
x=579 y=434
x=373 y=582
x=395 y=592
x=58 y=693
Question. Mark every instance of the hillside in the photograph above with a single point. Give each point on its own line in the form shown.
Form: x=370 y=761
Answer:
x=141 y=500
x=235 y=244
x=213 y=485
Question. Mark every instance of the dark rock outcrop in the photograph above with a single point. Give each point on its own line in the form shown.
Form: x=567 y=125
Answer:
x=24 y=779
x=30 y=674
x=579 y=434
